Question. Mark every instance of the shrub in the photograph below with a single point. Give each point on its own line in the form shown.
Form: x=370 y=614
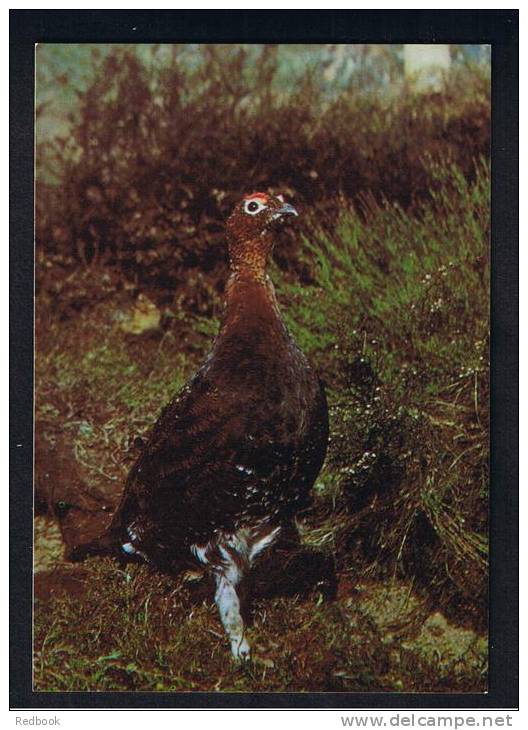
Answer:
x=158 y=154
x=397 y=321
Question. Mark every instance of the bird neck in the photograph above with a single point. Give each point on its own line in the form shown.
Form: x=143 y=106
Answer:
x=248 y=258
x=250 y=302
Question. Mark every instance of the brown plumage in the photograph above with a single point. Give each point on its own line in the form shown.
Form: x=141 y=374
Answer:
x=233 y=457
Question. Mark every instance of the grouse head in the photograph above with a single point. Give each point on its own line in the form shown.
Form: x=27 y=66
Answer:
x=250 y=230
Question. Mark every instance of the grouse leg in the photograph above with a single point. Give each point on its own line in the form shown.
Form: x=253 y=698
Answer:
x=228 y=602
x=226 y=559
x=229 y=557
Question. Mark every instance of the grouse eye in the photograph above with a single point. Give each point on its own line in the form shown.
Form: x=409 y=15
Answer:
x=253 y=207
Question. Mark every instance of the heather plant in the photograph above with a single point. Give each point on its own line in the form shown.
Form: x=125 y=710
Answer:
x=158 y=152
x=397 y=320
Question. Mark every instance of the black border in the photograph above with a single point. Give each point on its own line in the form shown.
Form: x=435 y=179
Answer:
x=497 y=27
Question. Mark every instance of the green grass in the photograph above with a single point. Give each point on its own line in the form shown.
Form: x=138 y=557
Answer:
x=402 y=286
x=136 y=630
x=394 y=312
x=397 y=324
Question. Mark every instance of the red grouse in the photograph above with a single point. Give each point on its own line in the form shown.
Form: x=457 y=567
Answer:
x=233 y=457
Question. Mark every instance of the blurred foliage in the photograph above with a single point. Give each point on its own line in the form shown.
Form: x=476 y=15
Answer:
x=159 y=152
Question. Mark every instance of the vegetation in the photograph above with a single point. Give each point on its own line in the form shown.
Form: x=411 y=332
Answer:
x=160 y=153
x=385 y=284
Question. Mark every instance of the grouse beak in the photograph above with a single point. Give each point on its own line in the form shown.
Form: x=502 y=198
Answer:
x=277 y=219
x=287 y=209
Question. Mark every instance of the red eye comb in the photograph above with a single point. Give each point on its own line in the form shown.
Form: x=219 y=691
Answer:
x=264 y=197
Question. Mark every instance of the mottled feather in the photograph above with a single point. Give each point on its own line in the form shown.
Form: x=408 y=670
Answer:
x=244 y=440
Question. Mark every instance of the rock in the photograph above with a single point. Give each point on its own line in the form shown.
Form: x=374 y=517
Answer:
x=143 y=317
